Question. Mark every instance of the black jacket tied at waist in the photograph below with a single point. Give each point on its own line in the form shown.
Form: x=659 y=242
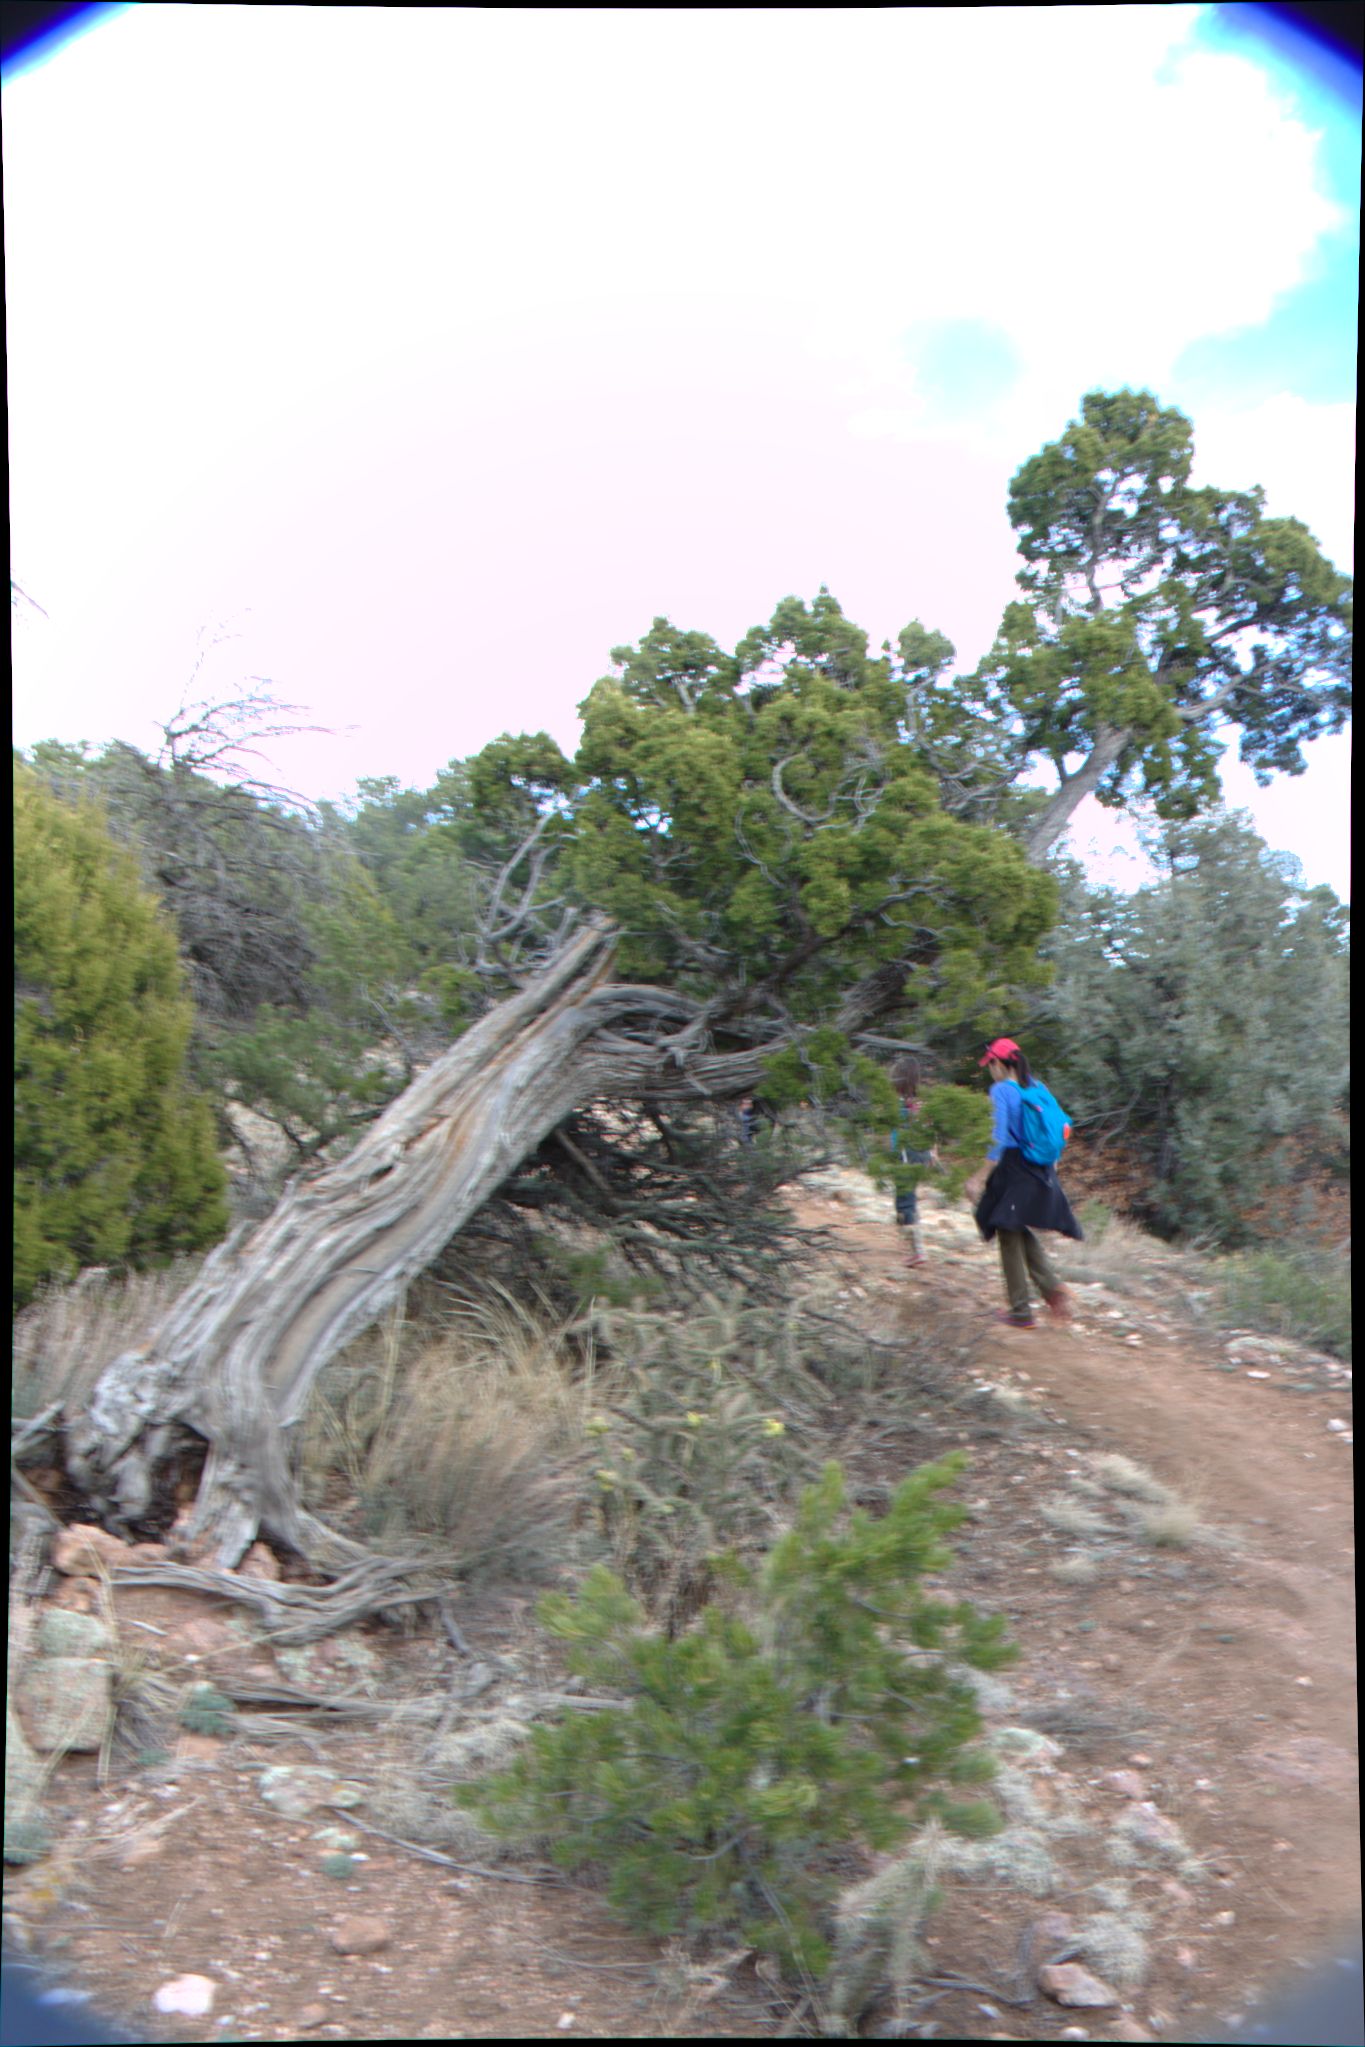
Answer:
x=1022 y=1196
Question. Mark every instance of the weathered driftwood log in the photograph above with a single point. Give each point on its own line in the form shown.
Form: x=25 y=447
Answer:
x=238 y=1354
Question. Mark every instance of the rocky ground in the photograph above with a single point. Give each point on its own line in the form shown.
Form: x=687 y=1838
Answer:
x=1162 y=1510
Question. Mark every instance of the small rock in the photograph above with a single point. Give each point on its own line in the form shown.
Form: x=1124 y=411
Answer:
x=312 y=2015
x=65 y=1702
x=1184 y=1957
x=1052 y=1930
x=1027 y=1746
x=1144 y=1823
x=1126 y=1782
x=1225 y=1919
x=295 y=1789
x=1128 y=2029
x=188 y=1997
x=76 y=1595
x=62 y=1632
x=260 y=1562
x=26 y=1835
x=82 y=1551
x=362 y=1933
x=1068 y=1983
x=1303 y=1681
x=1140 y=1761
x=1256 y=1375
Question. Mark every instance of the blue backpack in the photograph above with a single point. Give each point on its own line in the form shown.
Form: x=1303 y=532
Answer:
x=1043 y=1126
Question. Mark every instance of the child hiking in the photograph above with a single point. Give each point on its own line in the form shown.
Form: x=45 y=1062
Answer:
x=1017 y=1191
x=905 y=1078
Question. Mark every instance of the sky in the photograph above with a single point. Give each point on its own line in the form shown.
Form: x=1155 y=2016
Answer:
x=412 y=359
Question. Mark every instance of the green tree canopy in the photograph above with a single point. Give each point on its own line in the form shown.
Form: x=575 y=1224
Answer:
x=1206 y=1018
x=769 y=838
x=1156 y=617
x=299 y=969
x=114 y=1158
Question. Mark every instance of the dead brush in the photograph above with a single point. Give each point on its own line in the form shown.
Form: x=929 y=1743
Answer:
x=63 y=1340
x=1118 y=1255
x=466 y=1435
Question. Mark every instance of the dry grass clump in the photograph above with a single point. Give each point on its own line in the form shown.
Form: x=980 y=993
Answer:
x=1171 y=1523
x=1018 y=1856
x=1113 y=1944
x=1154 y=1512
x=63 y=1340
x=1077 y=1567
x=1116 y=1254
x=469 y=1437
x=1073 y=1516
x=1121 y=1474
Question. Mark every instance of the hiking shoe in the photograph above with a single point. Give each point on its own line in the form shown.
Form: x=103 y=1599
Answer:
x=1059 y=1304
x=912 y=1262
x=1013 y=1321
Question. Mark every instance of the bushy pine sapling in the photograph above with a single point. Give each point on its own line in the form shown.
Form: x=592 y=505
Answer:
x=809 y=1709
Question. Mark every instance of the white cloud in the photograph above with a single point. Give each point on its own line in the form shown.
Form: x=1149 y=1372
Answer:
x=1302 y=455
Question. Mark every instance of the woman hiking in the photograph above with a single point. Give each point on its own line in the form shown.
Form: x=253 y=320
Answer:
x=1016 y=1194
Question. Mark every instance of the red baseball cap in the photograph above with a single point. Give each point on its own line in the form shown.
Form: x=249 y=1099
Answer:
x=1002 y=1048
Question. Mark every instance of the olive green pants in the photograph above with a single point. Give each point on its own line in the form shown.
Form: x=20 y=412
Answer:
x=1022 y=1258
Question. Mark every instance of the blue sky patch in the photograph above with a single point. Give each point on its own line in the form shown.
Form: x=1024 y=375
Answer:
x=960 y=365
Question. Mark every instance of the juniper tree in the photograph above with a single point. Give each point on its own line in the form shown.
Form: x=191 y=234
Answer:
x=114 y=1157
x=1156 y=618
x=1206 y=1019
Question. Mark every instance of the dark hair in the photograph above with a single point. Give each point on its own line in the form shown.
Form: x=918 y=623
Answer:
x=905 y=1075
x=1019 y=1068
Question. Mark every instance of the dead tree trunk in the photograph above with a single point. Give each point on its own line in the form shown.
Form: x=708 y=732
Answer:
x=236 y=1358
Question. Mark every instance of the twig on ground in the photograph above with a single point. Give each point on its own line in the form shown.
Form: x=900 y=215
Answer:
x=510 y=1876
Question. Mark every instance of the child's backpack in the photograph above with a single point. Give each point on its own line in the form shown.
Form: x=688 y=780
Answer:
x=1044 y=1126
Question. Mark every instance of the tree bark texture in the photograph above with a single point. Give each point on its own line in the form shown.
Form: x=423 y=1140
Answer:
x=238 y=1354
x=1049 y=826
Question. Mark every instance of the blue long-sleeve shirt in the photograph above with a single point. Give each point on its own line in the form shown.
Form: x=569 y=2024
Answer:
x=1008 y=1110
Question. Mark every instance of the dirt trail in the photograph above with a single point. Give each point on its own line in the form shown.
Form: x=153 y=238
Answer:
x=1232 y=1668
x=1221 y=1674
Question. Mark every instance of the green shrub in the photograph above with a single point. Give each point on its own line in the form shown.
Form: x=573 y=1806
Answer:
x=1304 y=1294
x=114 y=1157
x=207 y=1711
x=809 y=1710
